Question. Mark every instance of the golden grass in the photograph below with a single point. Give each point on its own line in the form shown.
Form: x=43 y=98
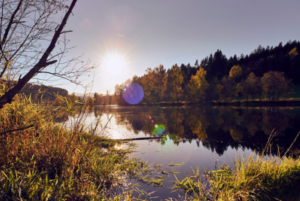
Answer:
x=51 y=162
x=253 y=178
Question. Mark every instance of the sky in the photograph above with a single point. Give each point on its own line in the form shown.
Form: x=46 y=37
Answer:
x=129 y=36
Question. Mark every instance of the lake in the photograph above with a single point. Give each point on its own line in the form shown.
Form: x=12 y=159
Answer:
x=203 y=137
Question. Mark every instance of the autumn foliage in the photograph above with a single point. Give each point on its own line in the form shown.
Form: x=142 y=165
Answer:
x=265 y=74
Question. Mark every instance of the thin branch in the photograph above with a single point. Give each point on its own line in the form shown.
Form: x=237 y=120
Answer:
x=61 y=76
x=4 y=69
x=66 y=31
x=291 y=145
x=1 y=22
x=17 y=129
x=10 y=24
x=141 y=138
x=42 y=63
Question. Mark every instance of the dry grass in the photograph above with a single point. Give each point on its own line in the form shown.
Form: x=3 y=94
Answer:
x=257 y=177
x=51 y=162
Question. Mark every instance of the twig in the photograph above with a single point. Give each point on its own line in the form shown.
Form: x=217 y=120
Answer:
x=269 y=141
x=106 y=123
x=17 y=129
x=291 y=145
x=141 y=138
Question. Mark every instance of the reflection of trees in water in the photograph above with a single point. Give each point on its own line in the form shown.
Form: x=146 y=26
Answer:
x=175 y=118
x=275 y=119
x=198 y=122
x=236 y=134
x=216 y=127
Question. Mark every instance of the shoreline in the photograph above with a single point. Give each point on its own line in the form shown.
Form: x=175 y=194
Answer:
x=253 y=103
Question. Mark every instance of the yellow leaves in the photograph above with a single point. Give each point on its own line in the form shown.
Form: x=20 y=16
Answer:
x=293 y=52
x=8 y=63
x=235 y=72
x=154 y=84
x=198 y=84
x=175 y=77
x=199 y=78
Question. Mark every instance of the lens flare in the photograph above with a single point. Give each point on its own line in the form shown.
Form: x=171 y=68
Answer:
x=133 y=93
x=159 y=130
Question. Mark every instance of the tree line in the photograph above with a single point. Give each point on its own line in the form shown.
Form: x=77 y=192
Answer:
x=267 y=73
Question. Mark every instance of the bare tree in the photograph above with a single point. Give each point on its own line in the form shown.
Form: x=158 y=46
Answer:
x=26 y=26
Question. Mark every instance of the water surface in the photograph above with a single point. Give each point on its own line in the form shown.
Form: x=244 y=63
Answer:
x=204 y=137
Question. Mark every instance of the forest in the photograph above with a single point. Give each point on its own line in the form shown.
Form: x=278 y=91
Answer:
x=269 y=73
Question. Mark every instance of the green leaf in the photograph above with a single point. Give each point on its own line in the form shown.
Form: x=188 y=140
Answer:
x=176 y=164
x=174 y=172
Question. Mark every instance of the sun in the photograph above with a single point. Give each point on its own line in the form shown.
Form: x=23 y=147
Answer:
x=114 y=64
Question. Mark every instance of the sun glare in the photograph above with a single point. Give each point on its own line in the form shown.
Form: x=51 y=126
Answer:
x=114 y=63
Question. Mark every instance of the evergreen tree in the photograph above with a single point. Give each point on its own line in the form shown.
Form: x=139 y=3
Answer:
x=196 y=63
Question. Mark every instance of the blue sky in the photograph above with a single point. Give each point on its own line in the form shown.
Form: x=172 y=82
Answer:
x=151 y=32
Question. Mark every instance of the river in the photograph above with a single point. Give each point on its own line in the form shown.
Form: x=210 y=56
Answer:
x=203 y=137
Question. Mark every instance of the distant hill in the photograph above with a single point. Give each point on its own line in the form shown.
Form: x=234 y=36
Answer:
x=46 y=92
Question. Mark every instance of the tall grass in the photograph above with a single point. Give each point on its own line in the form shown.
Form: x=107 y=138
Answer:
x=256 y=177
x=51 y=162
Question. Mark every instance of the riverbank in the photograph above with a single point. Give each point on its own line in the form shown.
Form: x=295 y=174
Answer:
x=43 y=160
x=251 y=178
x=257 y=103
x=257 y=177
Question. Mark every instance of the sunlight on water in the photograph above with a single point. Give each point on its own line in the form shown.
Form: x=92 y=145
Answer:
x=120 y=146
x=115 y=134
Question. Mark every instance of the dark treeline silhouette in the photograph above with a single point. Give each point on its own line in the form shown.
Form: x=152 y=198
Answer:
x=266 y=73
x=217 y=128
x=42 y=91
x=36 y=91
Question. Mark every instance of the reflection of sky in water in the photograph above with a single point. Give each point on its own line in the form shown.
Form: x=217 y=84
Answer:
x=189 y=153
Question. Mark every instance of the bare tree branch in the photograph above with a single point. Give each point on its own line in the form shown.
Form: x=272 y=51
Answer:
x=10 y=24
x=42 y=62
